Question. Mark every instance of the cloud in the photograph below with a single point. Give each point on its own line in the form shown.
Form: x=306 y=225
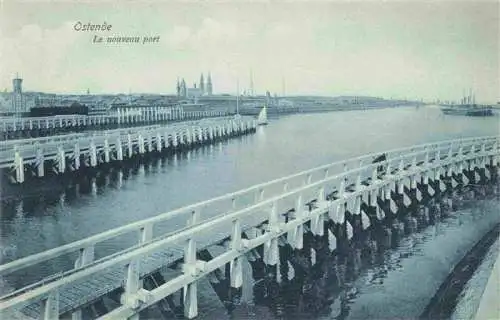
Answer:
x=214 y=30
x=209 y=34
x=38 y=52
x=179 y=36
x=280 y=31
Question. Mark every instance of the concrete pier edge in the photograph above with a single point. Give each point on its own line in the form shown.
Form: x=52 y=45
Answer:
x=489 y=306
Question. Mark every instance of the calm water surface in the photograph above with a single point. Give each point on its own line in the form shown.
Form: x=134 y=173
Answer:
x=48 y=219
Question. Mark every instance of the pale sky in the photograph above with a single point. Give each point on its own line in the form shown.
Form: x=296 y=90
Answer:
x=392 y=49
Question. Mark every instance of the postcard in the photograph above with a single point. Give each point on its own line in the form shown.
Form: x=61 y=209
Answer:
x=249 y=159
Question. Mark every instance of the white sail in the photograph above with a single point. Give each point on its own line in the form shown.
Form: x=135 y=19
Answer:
x=262 y=118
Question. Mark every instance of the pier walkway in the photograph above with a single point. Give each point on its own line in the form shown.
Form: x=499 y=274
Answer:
x=351 y=195
x=71 y=152
x=21 y=127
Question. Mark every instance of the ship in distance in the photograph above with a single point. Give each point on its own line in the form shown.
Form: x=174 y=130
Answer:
x=468 y=107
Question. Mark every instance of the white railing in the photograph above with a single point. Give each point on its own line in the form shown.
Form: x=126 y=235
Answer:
x=247 y=207
x=123 y=117
x=154 y=137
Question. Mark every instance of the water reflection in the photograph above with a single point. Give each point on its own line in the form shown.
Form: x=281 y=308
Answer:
x=66 y=191
x=330 y=288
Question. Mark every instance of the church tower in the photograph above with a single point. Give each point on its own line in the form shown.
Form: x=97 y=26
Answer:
x=183 y=88
x=202 y=84
x=209 y=85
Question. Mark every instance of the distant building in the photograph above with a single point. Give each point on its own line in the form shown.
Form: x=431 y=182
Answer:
x=194 y=93
x=203 y=89
x=17 y=99
x=46 y=100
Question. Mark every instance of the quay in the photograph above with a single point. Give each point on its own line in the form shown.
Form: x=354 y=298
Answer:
x=174 y=254
x=489 y=307
x=64 y=153
x=25 y=127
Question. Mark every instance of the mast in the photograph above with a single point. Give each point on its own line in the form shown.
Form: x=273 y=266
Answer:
x=251 y=83
x=282 y=86
x=237 y=96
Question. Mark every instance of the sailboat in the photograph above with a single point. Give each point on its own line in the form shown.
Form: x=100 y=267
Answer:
x=262 y=118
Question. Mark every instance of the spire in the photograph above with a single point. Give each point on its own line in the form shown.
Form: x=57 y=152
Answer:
x=183 y=88
x=202 y=84
x=209 y=87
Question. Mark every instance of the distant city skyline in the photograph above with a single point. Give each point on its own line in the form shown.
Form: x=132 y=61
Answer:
x=401 y=50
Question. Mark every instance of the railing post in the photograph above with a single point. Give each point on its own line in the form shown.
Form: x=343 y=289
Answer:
x=61 y=160
x=158 y=142
x=166 y=142
x=50 y=306
x=175 y=141
x=401 y=167
x=358 y=182
x=271 y=253
x=146 y=233
x=85 y=256
x=19 y=165
x=317 y=220
x=129 y=146
x=388 y=169
x=437 y=156
x=132 y=286
x=76 y=156
x=40 y=160
x=285 y=187
x=483 y=156
x=106 y=150
x=150 y=142
x=119 y=149
x=295 y=237
x=190 y=290
x=494 y=157
x=194 y=217
x=140 y=141
x=426 y=157
x=236 y=269
x=374 y=175
x=259 y=195
x=181 y=137
x=93 y=154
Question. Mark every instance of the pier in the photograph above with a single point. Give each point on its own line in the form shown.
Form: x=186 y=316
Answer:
x=64 y=153
x=174 y=253
x=22 y=127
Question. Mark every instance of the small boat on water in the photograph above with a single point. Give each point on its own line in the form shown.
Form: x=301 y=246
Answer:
x=262 y=117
